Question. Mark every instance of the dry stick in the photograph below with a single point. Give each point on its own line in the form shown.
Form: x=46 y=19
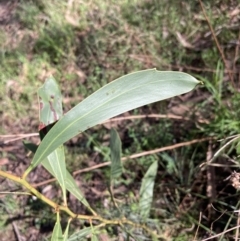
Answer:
x=15 y=139
x=217 y=235
x=237 y=230
x=169 y=116
x=19 y=135
x=211 y=227
x=211 y=187
x=237 y=55
x=132 y=117
x=198 y=69
x=225 y=211
x=199 y=221
x=166 y=148
x=235 y=138
x=178 y=66
x=217 y=43
x=238 y=48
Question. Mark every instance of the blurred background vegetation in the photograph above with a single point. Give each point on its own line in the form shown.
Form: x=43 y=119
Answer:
x=87 y=44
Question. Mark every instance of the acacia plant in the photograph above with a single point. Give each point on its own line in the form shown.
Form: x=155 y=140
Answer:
x=126 y=93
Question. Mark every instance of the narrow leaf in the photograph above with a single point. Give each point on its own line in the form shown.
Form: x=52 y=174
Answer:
x=146 y=191
x=126 y=93
x=71 y=185
x=171 y=165
x=65 y=235
x=50 y=102
x=50 y=110
x=57 y=231
x=81 y=235
x=238 y=148
x=116 y=150
x=30 y=146
x=94 y=238
x=73 y=188
x=57 y=161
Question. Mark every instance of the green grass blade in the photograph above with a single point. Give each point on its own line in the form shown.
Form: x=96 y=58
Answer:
x=126 y=93
x=116 y=150
x=146 y=191
x=238 y=148
x=57 y=231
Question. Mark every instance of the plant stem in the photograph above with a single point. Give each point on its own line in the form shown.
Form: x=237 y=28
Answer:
x=59 y=208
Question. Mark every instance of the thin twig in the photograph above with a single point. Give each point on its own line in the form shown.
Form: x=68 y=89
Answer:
x=220 y=150
x=237 y=55
x=217 y=43
x=178 y=66
x=168 y=116
x=187 y=143
x=225 y=211
x=211 y=186
x=19 y=135
x=131 y=117
x=217 y=235
x=237 y=230
x=17 y=193
x=166 y=148
x=199 y=221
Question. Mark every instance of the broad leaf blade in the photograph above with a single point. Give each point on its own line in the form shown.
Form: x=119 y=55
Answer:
x=146 y=191
x=57 y=231
x=116 y=150
x=126 y=93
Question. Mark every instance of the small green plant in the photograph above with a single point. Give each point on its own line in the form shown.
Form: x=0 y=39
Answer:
x=126 y=93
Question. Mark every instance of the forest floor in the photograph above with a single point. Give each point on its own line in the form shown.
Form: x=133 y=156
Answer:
x=87 y=44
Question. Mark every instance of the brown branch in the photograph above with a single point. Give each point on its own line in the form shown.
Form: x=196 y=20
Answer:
x=217 y=235
x=167 y=116
x=16 y=137
x=146 y=153
x=179 y=66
